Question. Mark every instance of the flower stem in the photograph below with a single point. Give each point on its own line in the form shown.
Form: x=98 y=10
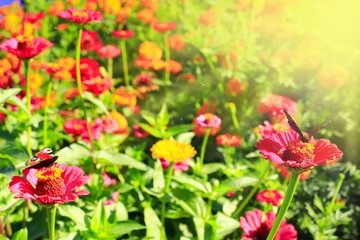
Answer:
x=48 y=91
x=167 y=59
x=203 y=148
x=2 y=231
x=341 y=179
x=252 y=192
x=78 y=80
x=294 y=179
x=51 y=216
x=28 y=101
x=110 y=67
x=125 y=64
x=164 y=199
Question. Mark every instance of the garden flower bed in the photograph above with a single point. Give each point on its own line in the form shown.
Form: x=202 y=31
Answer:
x=159 y=119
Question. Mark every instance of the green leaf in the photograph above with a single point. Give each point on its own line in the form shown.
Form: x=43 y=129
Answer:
x=185 y=137
x=189 y=201
x=99 y=220
x=6 y=94
x=21 y=234
x=75 y=214
x=227 y=225
x=203 y=229
x=121 y=160
x=234 y=184
x=211 y=168
x=152 y=222
x=124 y=227
x=7 y=168
x=194 y=182
x=15 y=150
x=163 y=116
x=159 y=181
x=88 y=96
x=152 y=131
x=14 y=100
x=73 y=153
x=121 y=212
x=172 y=131
x=149 y=117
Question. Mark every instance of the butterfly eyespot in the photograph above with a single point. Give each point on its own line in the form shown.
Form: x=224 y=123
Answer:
x=47 y=150
x=34 y=159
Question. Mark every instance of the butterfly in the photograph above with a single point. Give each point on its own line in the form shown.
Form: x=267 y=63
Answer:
x=44 y=158
x=304 y=137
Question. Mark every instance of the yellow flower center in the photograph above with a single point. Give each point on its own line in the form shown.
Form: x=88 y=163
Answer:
x=50 y=182
x=269 y=194
x=299 y=152
x=80 y=14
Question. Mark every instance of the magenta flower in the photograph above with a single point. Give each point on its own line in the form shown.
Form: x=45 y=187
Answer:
x=107 y=180
x=81 y=16
x=256 y=227
x=50 y=185
x=115 y=197
x=270 y=196
x=208 y=120
x=178 y=166
x=286 y=148
x=25 y=46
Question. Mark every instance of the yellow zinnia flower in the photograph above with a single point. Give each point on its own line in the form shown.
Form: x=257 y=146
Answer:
x=172 y=151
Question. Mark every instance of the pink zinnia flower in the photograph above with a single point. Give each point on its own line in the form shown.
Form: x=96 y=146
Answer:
x=274 y=105
x=81 y=16
x=178 y=166
x=115 y=197
x=109 y=51
x=50 y=185
x=270 y=196
x=286 y=148
x=256 y=227
x=25 y=46
x=208 y=120
x=139 y=132
x=107 y=180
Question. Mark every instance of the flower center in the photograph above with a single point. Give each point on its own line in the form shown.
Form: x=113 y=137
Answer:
x=50 y=182
x=80 y=14
x=299 y=152
x=269 y=194
x=25 y=41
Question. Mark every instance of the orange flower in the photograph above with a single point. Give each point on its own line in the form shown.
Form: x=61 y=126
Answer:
x=62 y=26
x=116 y=123
x=147 y=16
x=56 y=7
x=164 y=26
x=187 y=77
x=333 y=75
x=234 y=87
x=35 y=81
x=176 y=41
x=174 y=66
x=36 y=64
x=150 y=50
x=67 y=63
x=63 y=75
x=123 y=97
x=72 y=2
x=10 y=21
x=71 y=93
x=152 y=5
x=91 y=5
x=123 y=12
x=38 y=102
x=209 y=17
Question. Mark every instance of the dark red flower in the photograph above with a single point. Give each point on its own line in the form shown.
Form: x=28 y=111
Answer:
x=228 y=140
x=125 y=34
x=81 y=16
x=50 y=185
x=109 y=51
x=256 y=227
x=164 y=26
x=286 y=148
x=25 y=46
x=270 y=196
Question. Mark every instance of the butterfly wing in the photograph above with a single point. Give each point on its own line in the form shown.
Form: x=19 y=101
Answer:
x=295 y=127
x=318 y=128
x=36 y=162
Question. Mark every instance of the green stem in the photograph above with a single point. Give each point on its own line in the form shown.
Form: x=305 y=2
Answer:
x=78 y=80
x=110 y=67
x=28 y=101
x=233 y=116
x=125 y=64
x=341 y=179
x=51 y=217
x=294 y=179
x=253 y=191
x=164 y=199
x=167 y=59
x=48 y=91
x=203 y=148
x=208 y=209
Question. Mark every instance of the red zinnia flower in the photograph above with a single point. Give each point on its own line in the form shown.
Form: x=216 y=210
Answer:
x=107 y=180
x=97 y=85
x=25 y=46
x=89 y=41
x=286 y=148
x=81 y=16
x=228 y=140
x=164 y=26
x=125 y=34
x=109 y=51
x=75 y=126
x=50 y=185
x=267 y=129
x=274 y=105
x=256 y=227
x=33 y=17
x=270 y=196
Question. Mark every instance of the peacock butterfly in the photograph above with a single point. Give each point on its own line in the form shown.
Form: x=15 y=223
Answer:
x=44 y=158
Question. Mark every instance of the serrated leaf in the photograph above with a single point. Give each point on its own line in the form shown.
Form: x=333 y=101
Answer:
x=121 y=160
x=6 y=94
x=88 y=96
x=124 y=227
x=21 y=234
x=152 y=222
x=194 y=182
x=189 y=201
x=75 y=214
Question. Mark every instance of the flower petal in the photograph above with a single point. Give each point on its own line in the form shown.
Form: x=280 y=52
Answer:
x=325 y=151
x=22 y=187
